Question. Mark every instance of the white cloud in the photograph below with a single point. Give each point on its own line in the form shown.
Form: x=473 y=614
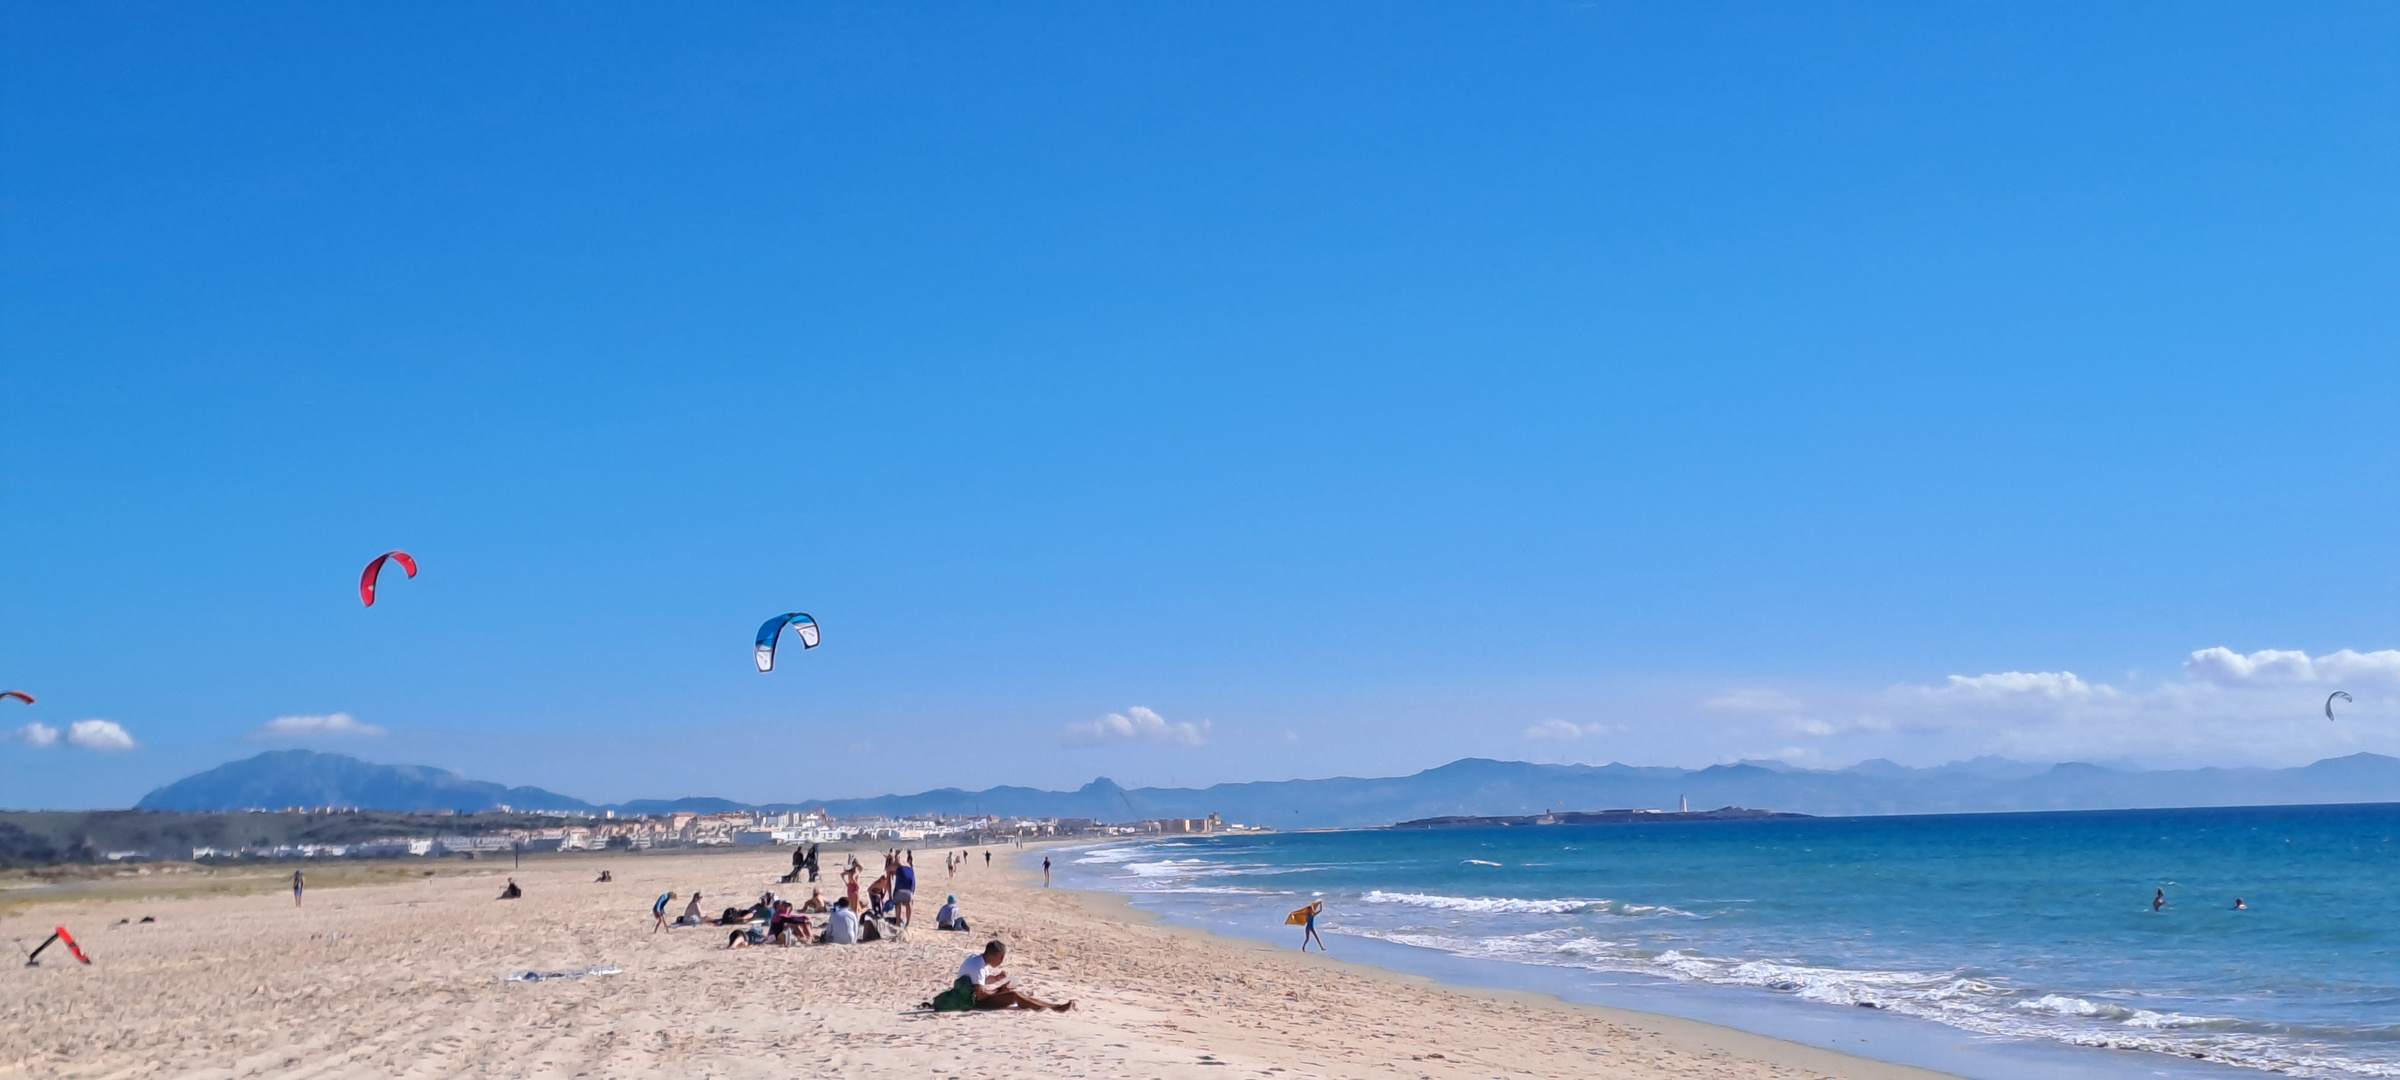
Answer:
x=2222 y=708
x=1563 y=730
x=1820 y=728
x=303 y=726
x=34 y=734
x=2054 y=685
x=1137 y=724
x=1752 y=701
x=2275 y=667
x=104 y=735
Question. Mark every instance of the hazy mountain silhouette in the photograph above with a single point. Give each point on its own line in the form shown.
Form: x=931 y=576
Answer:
x=1467 y=786
x=280 y=778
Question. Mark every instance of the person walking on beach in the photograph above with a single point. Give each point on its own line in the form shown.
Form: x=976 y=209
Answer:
x=1045 y=871
x=658 y=911
x=1308 y=926
x=987 y=856
x=297 y=886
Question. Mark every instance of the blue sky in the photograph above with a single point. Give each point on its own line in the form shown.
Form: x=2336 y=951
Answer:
x=1363 y=386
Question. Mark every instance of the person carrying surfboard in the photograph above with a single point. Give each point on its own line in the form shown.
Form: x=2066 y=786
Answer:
x=1306 y=919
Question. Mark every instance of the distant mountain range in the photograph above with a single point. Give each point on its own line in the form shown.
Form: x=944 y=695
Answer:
x=1470 y=786
x=280 y=778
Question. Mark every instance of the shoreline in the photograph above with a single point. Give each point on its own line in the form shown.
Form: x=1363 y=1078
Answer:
x=1716 y=1038
x=1923 y=1046
x=410 y=978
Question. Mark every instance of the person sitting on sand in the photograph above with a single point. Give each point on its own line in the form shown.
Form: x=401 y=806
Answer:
x=605 y=876
x=948 y=918
x=841 y=924
x=982 y=984
x=814 y=905
x=788 y=927
x=512 y=892
x=691 y=913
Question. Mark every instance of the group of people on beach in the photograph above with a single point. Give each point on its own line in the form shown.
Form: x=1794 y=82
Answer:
x=879 y=911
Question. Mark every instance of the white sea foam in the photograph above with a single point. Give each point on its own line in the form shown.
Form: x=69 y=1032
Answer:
x=1110 y=856
x=1957 y=998
x=1506 y=905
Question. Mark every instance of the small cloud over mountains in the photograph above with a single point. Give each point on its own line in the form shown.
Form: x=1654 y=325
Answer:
x=105 y=736
x=1137 y=724
x=35 y=734
x=2055 y=685
x=2271 y=667
x=1563 y=730
x=302 y=727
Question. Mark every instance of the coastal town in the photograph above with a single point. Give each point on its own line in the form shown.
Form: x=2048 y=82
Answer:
x=607 y=830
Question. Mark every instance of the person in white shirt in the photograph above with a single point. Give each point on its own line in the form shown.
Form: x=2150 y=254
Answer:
x=992 y=991
x=841 y=924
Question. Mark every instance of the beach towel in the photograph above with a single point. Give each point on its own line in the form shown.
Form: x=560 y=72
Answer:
x=959 y=998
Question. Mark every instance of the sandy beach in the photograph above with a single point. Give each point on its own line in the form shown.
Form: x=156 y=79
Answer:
x=394 y=975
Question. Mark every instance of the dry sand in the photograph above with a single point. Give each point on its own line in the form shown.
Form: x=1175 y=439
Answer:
x=405 y=976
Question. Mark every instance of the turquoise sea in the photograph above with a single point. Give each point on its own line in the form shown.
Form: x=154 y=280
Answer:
x=1987 y=945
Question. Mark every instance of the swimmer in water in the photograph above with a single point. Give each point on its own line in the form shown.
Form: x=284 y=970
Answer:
x=2159 y=901
x=2238 y=905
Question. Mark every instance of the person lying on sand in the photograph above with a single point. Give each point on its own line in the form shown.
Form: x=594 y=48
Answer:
x=982 y=984
x=605 y=876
